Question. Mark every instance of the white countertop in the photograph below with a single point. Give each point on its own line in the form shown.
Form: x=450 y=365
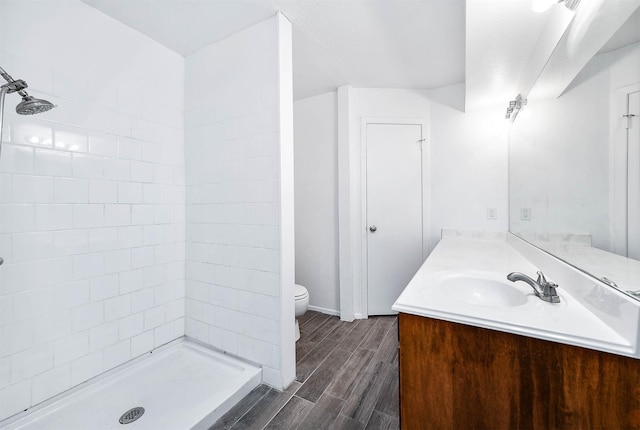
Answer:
x=568 y=322
x=625 y=272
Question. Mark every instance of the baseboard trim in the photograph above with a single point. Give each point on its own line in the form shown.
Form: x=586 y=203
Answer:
x=324 y=310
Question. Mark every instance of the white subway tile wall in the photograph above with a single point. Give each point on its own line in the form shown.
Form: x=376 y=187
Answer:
x=232 y=197
x=92 y=201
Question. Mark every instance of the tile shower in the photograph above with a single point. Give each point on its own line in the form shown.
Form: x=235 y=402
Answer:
x=92 y=212
x=92 y=216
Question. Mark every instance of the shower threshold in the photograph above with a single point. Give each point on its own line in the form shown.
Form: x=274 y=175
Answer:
x=182 y=385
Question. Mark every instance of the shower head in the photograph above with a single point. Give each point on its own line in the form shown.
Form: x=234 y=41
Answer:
x=31 y=106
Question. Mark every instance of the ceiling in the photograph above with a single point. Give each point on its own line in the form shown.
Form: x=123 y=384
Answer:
x=365 y=43
x=501 y=36
x=421 y=44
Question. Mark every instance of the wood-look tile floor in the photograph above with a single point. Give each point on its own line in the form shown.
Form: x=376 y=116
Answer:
x=347 y=378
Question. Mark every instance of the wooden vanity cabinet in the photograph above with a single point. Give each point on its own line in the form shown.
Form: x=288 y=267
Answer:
x=455 y=376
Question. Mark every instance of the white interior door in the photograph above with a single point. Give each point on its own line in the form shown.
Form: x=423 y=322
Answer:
x=394 y=211
x=633 y=187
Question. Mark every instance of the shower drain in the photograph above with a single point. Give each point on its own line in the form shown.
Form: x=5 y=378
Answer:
x=131 y=415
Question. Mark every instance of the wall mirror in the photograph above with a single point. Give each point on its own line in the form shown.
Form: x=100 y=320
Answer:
x=574 y=164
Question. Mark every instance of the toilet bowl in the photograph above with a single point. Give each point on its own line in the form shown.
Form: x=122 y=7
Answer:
x=302 y=303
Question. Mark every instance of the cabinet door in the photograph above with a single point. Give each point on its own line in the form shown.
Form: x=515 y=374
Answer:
x=454 y=376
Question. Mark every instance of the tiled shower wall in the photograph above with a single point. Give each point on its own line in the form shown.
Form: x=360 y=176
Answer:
x=233 y=268
x=91 y=200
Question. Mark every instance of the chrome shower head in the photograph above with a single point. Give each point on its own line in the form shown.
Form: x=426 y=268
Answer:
x=31 y=106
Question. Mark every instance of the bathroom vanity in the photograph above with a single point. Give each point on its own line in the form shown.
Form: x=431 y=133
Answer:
x=480 y=352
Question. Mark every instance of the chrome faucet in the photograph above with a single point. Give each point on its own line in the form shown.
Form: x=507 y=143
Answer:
x=544 y=289
x=635 y=294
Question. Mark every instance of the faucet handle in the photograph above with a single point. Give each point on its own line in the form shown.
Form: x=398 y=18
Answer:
x=548 y=289
x=541 y=279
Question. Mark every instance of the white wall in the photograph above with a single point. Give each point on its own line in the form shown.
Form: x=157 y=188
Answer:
x=467 y=167
x=467 y=161
x=91 y=200
x=316 y=197
x=469 y=156
x=235 y=295
x=624 y=65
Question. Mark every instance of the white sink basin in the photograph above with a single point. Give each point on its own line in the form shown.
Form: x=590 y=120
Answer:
x=483 y=291
x=465 y=281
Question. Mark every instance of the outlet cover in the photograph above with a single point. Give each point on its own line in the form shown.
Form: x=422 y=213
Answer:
x=525 y=214
x=492 y=213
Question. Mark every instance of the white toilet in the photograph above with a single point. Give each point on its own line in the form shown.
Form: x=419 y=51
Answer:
x=302 y=303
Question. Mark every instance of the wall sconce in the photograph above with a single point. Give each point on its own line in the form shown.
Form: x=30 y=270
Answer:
x=515 y=106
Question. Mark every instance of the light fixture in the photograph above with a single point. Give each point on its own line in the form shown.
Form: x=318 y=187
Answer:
x=515 y=106
x=572 y=5
x=540 y=6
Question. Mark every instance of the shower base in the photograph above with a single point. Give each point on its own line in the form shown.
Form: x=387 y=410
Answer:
x=182 y=385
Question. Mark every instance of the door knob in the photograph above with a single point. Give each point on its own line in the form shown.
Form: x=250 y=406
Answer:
x=372 y=228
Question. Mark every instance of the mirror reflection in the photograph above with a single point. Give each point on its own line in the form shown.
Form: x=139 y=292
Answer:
x=574 y=167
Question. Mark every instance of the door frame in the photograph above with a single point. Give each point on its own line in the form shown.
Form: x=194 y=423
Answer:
x=618 y=178
x=364 y=237
x=350 y=195
x=352 y=211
